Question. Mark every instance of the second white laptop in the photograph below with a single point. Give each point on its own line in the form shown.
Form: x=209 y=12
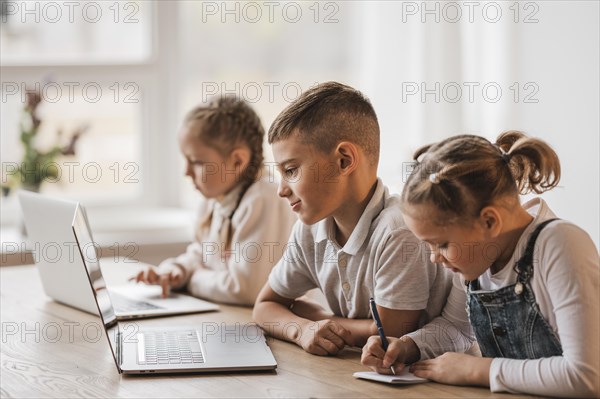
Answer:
x=49 y=224
x=209 y=347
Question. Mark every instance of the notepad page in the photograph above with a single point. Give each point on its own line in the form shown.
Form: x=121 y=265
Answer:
x=405 y=377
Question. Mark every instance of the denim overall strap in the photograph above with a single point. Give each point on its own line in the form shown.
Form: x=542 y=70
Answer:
x=524 y=266
x=507 y=322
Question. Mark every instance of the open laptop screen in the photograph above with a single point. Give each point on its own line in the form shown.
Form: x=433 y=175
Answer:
x=87 y=249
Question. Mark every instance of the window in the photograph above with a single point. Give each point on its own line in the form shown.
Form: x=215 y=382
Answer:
x=94 y=64
x=75 y=32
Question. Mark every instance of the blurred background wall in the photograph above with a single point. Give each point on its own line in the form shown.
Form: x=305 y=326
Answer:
x=131 y=69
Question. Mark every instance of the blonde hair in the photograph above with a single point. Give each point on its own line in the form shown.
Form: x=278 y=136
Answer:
x=224 y=123
x=463 y=174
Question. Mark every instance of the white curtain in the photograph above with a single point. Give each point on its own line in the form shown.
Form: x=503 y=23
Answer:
x=543 y=56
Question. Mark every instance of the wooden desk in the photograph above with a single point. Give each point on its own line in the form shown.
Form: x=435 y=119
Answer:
x=51 y=350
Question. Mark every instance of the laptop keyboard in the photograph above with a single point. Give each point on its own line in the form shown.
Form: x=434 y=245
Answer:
x=169 y=347
x=123 y=304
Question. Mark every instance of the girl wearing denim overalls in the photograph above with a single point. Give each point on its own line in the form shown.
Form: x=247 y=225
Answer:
x=530 y=281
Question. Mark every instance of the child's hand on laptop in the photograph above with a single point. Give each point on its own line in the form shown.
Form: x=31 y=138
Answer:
x=166 y=275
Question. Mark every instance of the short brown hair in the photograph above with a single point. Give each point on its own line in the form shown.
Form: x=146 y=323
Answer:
x=463 y=174
x=327 y=114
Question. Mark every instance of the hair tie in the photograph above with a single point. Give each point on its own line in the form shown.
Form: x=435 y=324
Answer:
x=434 y=178
x=505 y=155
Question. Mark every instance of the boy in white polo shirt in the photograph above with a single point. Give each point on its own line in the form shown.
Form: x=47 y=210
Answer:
x=351 y=241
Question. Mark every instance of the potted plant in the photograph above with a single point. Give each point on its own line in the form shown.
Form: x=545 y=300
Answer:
x=37 y=166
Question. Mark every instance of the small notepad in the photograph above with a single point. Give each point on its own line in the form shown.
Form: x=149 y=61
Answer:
x=405 y=377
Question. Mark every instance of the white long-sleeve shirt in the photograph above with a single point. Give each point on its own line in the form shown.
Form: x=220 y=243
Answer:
x=566 y=285
x=260 y=228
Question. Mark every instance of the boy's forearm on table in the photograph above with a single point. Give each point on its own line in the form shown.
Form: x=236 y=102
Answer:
x=310 y=310
x=361 y=329
x=278 y=321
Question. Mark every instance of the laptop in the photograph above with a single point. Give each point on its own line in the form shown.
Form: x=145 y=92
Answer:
x=139 y=350
x=49 y=223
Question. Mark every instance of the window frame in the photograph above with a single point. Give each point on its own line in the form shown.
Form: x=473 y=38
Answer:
x=156 y=78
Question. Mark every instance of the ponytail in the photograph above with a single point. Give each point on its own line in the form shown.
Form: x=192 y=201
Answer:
x=533 y=163
x=463 y=174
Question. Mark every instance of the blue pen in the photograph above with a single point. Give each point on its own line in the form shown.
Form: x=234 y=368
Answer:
x=384 y=341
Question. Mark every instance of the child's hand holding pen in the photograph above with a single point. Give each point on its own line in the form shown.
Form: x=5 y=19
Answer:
x=399 y=353
x=382 y=337
x=387 y=355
